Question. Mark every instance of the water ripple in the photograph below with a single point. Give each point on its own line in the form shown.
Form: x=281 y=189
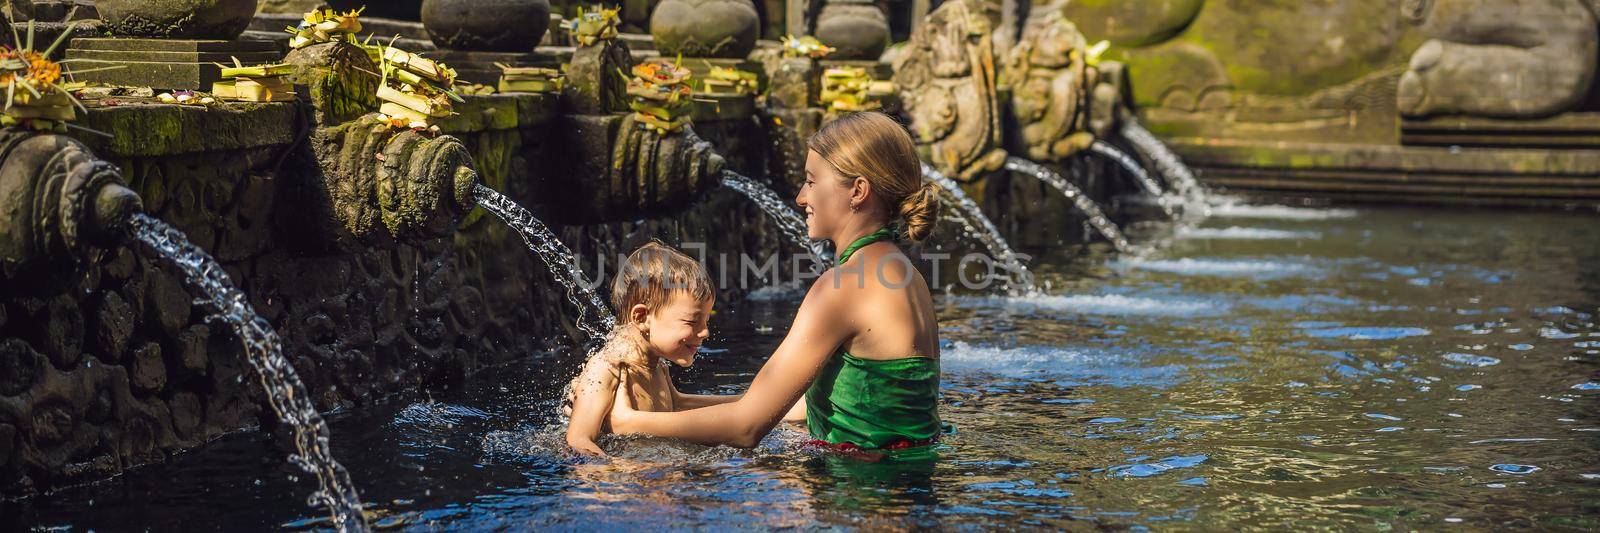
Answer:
x=1214 y=267
x=1150 y=469
x=1471 y=360
x=1243 y=233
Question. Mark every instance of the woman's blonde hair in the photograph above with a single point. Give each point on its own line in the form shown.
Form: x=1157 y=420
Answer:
x=650 y=276
x=873 y=146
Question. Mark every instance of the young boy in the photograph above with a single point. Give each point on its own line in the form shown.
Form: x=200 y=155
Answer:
x=663 y=301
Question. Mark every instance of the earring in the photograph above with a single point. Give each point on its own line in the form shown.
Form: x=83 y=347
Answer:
x=855 y=207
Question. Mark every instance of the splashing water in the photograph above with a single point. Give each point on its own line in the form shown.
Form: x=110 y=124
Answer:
x=788 y=220
x=1167 y=162
x=1021 y=280
x=285 y=393
x=1097 y=218
x=594 y=318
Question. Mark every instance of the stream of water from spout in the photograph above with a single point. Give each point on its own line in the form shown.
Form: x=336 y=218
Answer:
x=285 y=393
x=1167 y=162
x=1145 y=180
x=788 y=220
x=1021 y=280
x=1097 y=218
x=594 y=318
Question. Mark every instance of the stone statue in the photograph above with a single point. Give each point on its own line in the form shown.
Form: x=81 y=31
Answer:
x=1499 y=58
x=59 y=203
x=946 y=79
x=1052 y=85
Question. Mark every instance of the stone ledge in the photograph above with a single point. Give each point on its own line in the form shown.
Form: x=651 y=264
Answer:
x=495 y=112
x=143 y=129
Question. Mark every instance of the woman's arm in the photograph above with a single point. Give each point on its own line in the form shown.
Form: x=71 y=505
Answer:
x=818 y=330
x=595 y=391
x=685 y=402
x=796 y=413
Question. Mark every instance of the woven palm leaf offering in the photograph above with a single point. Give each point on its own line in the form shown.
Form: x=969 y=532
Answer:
x=530 y=79
x=851 y=89
x=325 y=25
x=590 y=27
x=416 y=91
x=661 y=95
x=807 y=46
x=726 y=81
x=260 y=83
x=36 y=96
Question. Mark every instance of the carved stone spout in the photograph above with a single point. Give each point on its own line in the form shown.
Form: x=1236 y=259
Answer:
x=383 y=185
x=367 y=181
x=610 y=167
x=946 y=79
x=652 y=170
x=58 y=202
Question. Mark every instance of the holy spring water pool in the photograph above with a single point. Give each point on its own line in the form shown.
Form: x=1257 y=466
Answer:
x=1274 y=367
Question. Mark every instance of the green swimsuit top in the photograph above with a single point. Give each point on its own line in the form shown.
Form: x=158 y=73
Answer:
x=874 y=403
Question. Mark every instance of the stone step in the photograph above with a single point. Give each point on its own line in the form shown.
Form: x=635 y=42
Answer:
x=1569 y=130
x=1533 y=177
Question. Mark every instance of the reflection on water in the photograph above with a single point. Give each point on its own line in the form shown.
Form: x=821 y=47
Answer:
x=1282 y=368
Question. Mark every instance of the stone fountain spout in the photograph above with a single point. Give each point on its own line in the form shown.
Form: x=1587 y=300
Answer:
x=387 y=185
x=58 y=203
x=372 y=184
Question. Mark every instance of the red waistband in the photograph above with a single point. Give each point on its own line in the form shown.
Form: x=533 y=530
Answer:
x=851 y=447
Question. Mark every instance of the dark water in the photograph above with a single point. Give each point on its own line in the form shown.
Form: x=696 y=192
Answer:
x=1283 y=369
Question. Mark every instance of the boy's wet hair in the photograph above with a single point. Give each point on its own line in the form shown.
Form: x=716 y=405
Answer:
x=651 y=275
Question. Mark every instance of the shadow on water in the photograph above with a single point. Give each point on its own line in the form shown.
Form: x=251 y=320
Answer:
x=1271 y=368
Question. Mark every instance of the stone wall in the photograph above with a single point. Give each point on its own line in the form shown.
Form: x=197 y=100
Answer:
x=123 y=369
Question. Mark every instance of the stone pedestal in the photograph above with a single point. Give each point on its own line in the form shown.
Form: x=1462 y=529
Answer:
x=164 y=63
x=794 y=83
x=723 y=108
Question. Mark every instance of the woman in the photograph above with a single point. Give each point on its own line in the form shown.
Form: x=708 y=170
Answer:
x=864 y=346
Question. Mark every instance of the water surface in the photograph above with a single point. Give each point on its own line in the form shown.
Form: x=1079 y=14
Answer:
x=1275 y=367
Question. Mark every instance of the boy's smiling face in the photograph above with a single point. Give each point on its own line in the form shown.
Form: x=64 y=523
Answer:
x=675 y=331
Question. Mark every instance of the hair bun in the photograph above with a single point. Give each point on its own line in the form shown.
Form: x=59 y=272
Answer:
x=920 y=210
